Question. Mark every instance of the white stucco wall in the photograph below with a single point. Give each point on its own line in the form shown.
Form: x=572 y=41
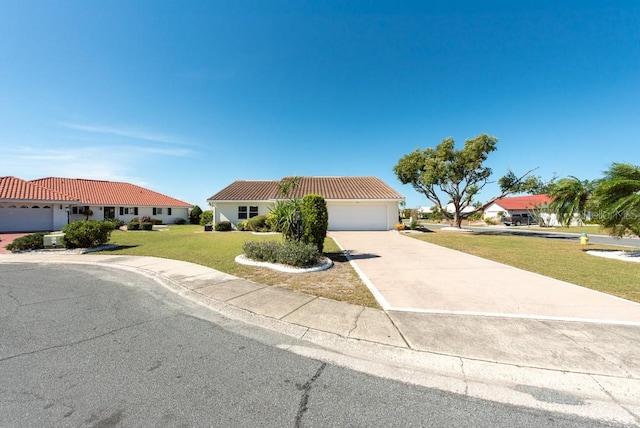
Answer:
x=228 y=211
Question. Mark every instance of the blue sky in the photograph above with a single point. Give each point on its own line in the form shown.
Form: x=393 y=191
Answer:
x=184 y=97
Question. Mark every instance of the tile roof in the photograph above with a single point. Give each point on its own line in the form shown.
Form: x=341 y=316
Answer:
x=96 y=192
x=18 y=189
x=524 y=202
x=331 y=188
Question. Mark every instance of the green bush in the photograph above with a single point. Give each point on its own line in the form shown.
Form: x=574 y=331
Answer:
x=156 y=221
x=87 y=233
x=147 y=225
x=242 y=225
x=257 y=223
x=315 y=220
x=282 y=217
x=134 y=224
x=206 y=218
x=27 y=243
x=194 y=215
x=289 y=253
x=223 y=226
x=180 y=220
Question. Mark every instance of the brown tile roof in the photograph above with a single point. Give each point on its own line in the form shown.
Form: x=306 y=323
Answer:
x=96 y=192
x=332 y=188
x=19 y=189
x=524 y=202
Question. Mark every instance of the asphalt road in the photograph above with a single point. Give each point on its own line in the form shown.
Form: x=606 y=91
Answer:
x=94 y=347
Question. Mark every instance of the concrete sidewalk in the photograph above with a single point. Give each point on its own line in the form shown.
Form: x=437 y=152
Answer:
x=588 y=369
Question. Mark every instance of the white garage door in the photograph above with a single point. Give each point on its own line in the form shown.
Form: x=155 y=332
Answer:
x=357 y=217
x=31 y=218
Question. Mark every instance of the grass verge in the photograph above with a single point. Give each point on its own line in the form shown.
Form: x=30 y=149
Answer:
x=218 y=250
x=562 y=259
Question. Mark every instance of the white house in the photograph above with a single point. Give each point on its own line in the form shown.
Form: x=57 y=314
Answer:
x=48 y=204
x=353 y=203
x=521 y=205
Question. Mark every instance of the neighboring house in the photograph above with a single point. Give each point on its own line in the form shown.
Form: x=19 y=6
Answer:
x=50 y=203
x=353 y=203
x=519 y=205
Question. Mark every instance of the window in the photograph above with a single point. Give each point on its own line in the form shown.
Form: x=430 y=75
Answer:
x=242 y=212
x=78 y=210
x=128 y=210
x=157 y=211
x=168 y=211
x=253 y=211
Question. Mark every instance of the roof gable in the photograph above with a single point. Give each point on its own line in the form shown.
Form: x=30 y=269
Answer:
x=19 y=189
x=360 y=188
x=96 y=192
x=524 y=202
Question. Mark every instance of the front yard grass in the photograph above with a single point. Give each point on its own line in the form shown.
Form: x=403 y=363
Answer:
x=562 y=259
x=218 y=250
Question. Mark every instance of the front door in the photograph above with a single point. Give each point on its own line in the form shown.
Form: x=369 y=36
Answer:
x=109 y=213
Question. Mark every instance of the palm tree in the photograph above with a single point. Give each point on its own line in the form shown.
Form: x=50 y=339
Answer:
x=570 y=198
x=617 y=199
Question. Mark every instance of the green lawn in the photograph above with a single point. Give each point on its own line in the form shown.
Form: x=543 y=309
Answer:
x=565 y=260
x=218 y=250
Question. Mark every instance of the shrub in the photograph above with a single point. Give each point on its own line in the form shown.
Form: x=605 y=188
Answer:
x=224 y=226
x=86 y=233
x=180 y=220
x=145 y=219
x=156 y=221
x=315 y=220
x=298 y=254
x=242 y=225
x=147 y=225
x=266 y=251
x=194 y=215
x=400 y=226
x=206 y=217
x=257 y=223
x=27 y=243
x=134 y=224
x=289 y=252
x=282 y=217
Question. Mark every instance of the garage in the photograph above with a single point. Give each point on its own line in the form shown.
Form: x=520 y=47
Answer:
x=26 y=218
x=357 y=217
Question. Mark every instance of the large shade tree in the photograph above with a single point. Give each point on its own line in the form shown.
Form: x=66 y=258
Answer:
x=459 y=174
x=571 y=197
x=616 y=199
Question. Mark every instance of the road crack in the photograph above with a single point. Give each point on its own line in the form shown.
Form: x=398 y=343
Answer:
x=306 y=389
x=631 y=413
x=464 y=377
x=88 y=339
x=355 y=322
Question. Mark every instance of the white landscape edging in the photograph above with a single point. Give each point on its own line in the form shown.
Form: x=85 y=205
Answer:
x=326 y=264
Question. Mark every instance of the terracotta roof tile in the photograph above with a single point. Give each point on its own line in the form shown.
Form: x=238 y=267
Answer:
x=524 y=202
x=96 y=192
x=19 y=189
x=361 y=188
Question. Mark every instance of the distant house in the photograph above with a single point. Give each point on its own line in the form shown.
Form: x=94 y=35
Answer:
x=518 y=205
x=448 y=208
x=353 y=203
x=50 y=203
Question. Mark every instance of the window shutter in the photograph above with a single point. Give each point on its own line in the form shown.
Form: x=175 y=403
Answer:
x=154 y=210
x=121 y=211
x=169 y=211
x=135 y=211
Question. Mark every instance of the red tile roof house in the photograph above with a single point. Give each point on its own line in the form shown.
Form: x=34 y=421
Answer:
x=519 y=205
x=353 y=203
x=48 y=204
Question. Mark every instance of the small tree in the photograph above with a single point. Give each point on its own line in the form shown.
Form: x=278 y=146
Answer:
x=570 y=198
x=617 y=199
x=87 y=233
x=460 y=174
x=206 y=217
x=194 y=215
x=315 y=220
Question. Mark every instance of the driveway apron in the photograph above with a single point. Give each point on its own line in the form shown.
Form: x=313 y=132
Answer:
x=410 y=275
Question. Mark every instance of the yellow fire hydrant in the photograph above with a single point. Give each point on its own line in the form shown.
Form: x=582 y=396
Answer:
x=584 y=238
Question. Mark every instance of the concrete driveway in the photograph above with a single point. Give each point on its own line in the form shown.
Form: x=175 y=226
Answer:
x=409 y=275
